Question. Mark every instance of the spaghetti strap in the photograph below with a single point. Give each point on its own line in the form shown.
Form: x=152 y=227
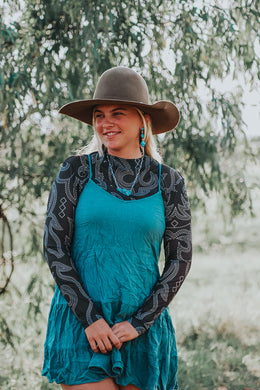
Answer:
x=90 y=167
x=160 y=169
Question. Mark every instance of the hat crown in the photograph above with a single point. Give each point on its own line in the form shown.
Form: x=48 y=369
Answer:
x=122 y=84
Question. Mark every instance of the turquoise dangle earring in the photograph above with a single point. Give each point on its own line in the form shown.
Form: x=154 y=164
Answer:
x=142 y=137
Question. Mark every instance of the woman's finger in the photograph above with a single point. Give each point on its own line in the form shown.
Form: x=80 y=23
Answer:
x=124 y=331
x=107 y=344
x=101 y=346
x=115 y=340
x=116 y=332
x=94 y=346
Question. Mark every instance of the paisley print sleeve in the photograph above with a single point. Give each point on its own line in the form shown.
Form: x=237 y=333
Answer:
x=177 y=247
x=58 y=235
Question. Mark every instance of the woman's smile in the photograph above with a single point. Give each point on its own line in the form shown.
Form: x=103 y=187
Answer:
x=110 y=134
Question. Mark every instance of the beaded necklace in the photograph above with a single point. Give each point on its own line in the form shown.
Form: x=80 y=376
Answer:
x=124 y=190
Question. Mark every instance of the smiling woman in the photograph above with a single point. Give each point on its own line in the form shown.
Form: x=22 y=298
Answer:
x=109 y=326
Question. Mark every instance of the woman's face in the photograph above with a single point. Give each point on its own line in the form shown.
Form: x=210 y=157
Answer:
x=118 y=127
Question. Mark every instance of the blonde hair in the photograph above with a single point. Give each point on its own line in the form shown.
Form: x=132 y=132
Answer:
x=150 y=148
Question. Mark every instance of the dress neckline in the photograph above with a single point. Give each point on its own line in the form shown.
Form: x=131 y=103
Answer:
x=121 y=199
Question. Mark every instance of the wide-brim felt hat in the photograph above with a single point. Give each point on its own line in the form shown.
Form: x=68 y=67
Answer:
x=121 y=85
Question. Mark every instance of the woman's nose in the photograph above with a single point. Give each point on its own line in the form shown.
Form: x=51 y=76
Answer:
x=107 y=121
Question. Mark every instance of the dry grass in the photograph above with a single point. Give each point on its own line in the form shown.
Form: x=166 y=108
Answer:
x=221 y=293
x=217 y=319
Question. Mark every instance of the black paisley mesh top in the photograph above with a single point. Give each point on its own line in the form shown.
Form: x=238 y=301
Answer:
x=59 y=228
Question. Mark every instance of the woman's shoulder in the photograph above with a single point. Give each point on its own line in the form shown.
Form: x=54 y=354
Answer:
x=78 y=164
x=171 y=177
x=79 y=160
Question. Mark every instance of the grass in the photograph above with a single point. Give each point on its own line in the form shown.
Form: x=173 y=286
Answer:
x=221 y=294
x=218 y=362
x=216 y=315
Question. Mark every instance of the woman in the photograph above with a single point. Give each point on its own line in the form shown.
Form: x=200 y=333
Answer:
x=109 y=326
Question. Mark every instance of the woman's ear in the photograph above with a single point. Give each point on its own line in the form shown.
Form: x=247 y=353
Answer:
x=147 y=118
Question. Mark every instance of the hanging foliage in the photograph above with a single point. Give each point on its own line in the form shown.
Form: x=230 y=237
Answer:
x=55 y=51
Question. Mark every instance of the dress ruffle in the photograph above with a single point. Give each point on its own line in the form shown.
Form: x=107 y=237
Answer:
x=110 y=364
x=69 y=358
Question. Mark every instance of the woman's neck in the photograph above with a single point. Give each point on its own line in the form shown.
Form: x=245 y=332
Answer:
x=130 y=155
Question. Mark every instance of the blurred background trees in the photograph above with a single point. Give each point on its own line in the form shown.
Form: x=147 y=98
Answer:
x=52 y=52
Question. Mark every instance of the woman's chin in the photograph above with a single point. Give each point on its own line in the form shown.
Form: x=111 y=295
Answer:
x=113 y=147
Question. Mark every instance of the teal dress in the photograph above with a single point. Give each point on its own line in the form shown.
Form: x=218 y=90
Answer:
x=116 y=248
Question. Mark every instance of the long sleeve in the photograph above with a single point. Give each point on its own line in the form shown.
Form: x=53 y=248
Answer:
x=177 y=247
x=58 y=235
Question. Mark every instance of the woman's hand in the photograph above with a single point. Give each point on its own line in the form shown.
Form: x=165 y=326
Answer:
x=124 y=331
x=101 y=337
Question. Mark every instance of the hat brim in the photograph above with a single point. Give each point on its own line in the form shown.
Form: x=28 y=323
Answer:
x=164 y=114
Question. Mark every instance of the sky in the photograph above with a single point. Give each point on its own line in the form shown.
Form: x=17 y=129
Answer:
x=251 y=99
x=251 y=96
x=251 y=112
